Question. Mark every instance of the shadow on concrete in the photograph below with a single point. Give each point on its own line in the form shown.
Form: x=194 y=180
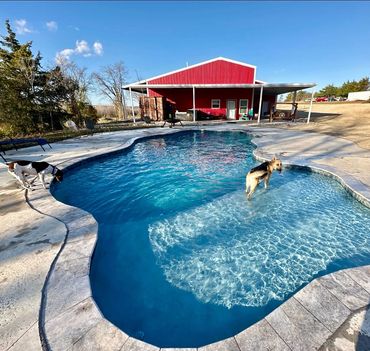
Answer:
x=363 y=336
x=335 y=124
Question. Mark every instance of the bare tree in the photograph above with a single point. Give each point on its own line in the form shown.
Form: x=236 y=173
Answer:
x=109 y=82
x=78 y=83
x=80 y=77
x=28 y=68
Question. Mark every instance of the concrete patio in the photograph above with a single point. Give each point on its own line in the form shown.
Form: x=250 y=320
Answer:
x=46 y=246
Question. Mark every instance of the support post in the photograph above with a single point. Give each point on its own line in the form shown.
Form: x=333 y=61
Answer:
x=123 y=104
x=132 y=106
x=260 y=105
x=309 y=112
x=252 y=104
x=194 y=104
x=271 y=112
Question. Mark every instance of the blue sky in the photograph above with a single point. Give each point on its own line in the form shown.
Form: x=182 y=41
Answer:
x=322 y=42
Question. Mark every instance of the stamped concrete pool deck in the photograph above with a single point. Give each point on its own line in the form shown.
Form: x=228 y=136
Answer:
x=46 y=246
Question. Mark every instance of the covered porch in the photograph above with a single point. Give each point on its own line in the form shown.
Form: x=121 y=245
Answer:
x=218 y=101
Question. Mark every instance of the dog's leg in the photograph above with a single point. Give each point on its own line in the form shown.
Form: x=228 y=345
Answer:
x=267 y=180
x=42 y=179
x=247 y=185
x=25 y=182
x=20 y=178
x=32 y=181
x=252 y=187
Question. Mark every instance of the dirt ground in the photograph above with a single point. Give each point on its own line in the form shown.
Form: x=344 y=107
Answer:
x=349 y=120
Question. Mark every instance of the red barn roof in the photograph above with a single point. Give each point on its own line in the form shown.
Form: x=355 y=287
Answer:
x=216 y=71
x=219 y=72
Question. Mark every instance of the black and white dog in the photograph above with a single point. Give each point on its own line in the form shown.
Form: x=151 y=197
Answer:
x=20 y=169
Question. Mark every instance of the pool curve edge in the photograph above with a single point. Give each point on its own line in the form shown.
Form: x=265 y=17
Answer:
x=70 y=319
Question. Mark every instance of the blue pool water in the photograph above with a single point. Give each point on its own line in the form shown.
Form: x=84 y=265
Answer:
x=183 y=259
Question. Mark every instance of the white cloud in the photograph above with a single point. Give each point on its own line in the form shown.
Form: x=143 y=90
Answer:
x=67 y=53
x=21 y=27
x=98 y=48
x=74 y=27
x=63 y=56
x=52 y=26
x=81 y=48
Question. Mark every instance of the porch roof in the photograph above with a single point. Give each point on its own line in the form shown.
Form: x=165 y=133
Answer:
x=268 y=88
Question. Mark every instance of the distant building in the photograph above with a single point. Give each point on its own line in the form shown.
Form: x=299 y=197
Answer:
x=218 y=88
x=359 y=96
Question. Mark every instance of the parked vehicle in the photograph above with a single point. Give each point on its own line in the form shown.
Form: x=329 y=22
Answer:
x=339 y=98
x=321 y=99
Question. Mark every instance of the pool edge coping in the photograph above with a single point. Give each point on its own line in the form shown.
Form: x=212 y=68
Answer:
x=267 y=328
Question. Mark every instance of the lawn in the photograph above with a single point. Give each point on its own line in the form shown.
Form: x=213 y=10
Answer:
x=348 y=120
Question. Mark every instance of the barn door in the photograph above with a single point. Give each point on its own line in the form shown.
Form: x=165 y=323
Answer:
x=231 y=109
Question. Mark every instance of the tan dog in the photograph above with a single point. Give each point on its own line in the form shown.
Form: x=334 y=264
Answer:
x=261 y=172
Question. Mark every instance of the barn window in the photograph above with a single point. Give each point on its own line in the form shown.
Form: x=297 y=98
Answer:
x=243 y=106
x=215 y=103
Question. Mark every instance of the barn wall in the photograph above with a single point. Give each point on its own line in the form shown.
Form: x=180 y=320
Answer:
x=216 y=72
x=183 y=98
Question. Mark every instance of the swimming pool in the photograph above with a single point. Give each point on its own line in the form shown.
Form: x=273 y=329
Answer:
x=183 y=259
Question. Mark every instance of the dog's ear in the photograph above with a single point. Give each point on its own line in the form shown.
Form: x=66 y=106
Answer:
x=274 y=158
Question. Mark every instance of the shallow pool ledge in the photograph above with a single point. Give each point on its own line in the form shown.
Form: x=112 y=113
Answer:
x=70 y=319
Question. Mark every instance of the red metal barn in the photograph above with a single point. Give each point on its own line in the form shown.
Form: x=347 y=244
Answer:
x=218 y=88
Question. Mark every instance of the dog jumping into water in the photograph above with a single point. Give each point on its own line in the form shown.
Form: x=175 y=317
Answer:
x=20 y=169
x=259 y=173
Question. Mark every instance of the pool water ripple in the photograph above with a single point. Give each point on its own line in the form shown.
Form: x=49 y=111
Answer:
x=183 y=259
